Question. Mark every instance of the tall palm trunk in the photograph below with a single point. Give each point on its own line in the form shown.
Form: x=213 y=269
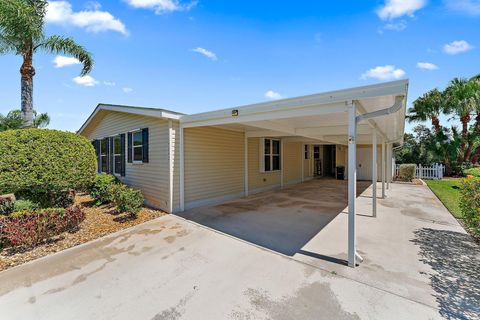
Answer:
x=436 y=124
x=465 y=119
x=27 y=72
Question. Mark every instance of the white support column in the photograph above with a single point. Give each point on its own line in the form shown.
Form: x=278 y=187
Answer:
x=374 y=173
x=171 y=150
x=389 y=165
x=352 y=183
x=182 y=169
x=281 y=162
x=245 y=179
x=383 y=169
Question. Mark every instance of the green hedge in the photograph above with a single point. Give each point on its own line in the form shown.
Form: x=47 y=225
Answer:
x=470 y=203
x=472 y=171
x=100 y=190
x=407 y=172
x=41 y=161
x=127 y=200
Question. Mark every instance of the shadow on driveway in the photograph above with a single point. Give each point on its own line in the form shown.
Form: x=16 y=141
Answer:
x=455 y=260
x=282 y=220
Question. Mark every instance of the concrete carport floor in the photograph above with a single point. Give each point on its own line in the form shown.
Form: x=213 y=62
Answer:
x=414 y=248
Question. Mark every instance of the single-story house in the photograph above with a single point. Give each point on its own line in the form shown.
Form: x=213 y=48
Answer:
x=183 y=161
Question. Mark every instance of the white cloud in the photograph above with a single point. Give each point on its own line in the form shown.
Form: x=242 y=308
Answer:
x=87 y=81
x=92 y=19
x=427 y=66
x=162 y=6
x=127 y=90
x=470 y=7
x=398 y=26
x=109 y=83
x=270 y=94
x=398 y=8
x=206 y=53
x=456 y=47
x=62 y=61
x=388 y=72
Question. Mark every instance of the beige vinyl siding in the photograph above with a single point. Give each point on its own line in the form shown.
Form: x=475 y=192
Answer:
x=214 y=165
x=153 y=177
x=257 y=180
x=340 y=154
x=308 y=164
x=292 y=162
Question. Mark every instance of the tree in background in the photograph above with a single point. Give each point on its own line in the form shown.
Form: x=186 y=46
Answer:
x=22 y=33
x=461 y=99
x=429 y=106
x=14 y=120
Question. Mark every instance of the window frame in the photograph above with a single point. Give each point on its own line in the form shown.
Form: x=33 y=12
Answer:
x=271 y=155
x=100 y=154
x=306 y=152
x=133 y=146
x=117 y=154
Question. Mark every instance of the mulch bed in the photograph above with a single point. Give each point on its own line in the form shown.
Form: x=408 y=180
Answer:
x=99 y=221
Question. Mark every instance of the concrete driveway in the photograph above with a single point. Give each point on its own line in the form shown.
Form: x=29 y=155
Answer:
x=171 y=268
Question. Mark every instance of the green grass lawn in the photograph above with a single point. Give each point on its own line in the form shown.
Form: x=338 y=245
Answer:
x=448 y=191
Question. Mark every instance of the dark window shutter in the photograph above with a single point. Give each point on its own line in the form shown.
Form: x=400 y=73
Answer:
x=129 y=150
x=111 y=154
x=96 y=145
x=145 y=145
x=122 y=146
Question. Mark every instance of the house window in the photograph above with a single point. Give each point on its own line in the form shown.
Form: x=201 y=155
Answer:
x=117 y=155
x=137 y=147
x=271 y=155
x=306 y=152
x=104 y=155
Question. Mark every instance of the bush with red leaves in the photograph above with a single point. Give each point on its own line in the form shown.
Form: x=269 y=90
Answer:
x=30 y=228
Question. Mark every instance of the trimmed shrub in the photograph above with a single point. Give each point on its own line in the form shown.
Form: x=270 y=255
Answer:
x=7 y=204
x=127 y=200
x=52 y=199
x=25 y=228
x=407 y=172
x=100 y=190
x=41 y=161
x=25 y=205
x=473 y=172
x=470 y=202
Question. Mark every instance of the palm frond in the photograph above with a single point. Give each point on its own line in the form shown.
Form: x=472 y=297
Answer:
x=20 y=24
x=59 y=44
x=40 y=120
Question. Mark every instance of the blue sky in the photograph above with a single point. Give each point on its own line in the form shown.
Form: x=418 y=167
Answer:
x=205 y=55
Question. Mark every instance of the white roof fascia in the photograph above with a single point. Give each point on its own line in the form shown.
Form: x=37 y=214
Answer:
x=149 y=112
x=334 y=99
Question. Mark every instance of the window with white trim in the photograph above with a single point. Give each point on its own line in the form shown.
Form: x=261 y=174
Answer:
x=271 y=155
x=137 y=146
x=104 y=155
x=306 y=151
x=117 y=155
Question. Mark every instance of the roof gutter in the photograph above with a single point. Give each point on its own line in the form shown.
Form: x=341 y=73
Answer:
x=399 y=103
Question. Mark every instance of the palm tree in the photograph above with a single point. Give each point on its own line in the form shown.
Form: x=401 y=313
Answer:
x=428 y=106
x=476 y=128
x=462 y=96
x=21 y=33
x=14 y=120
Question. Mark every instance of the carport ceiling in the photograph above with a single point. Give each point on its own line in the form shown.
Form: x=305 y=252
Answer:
x=322 y=117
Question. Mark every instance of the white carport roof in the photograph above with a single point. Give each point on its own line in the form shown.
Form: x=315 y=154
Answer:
x=322 y=117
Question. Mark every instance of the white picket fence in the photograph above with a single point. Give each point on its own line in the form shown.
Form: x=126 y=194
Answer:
x=434 y=171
